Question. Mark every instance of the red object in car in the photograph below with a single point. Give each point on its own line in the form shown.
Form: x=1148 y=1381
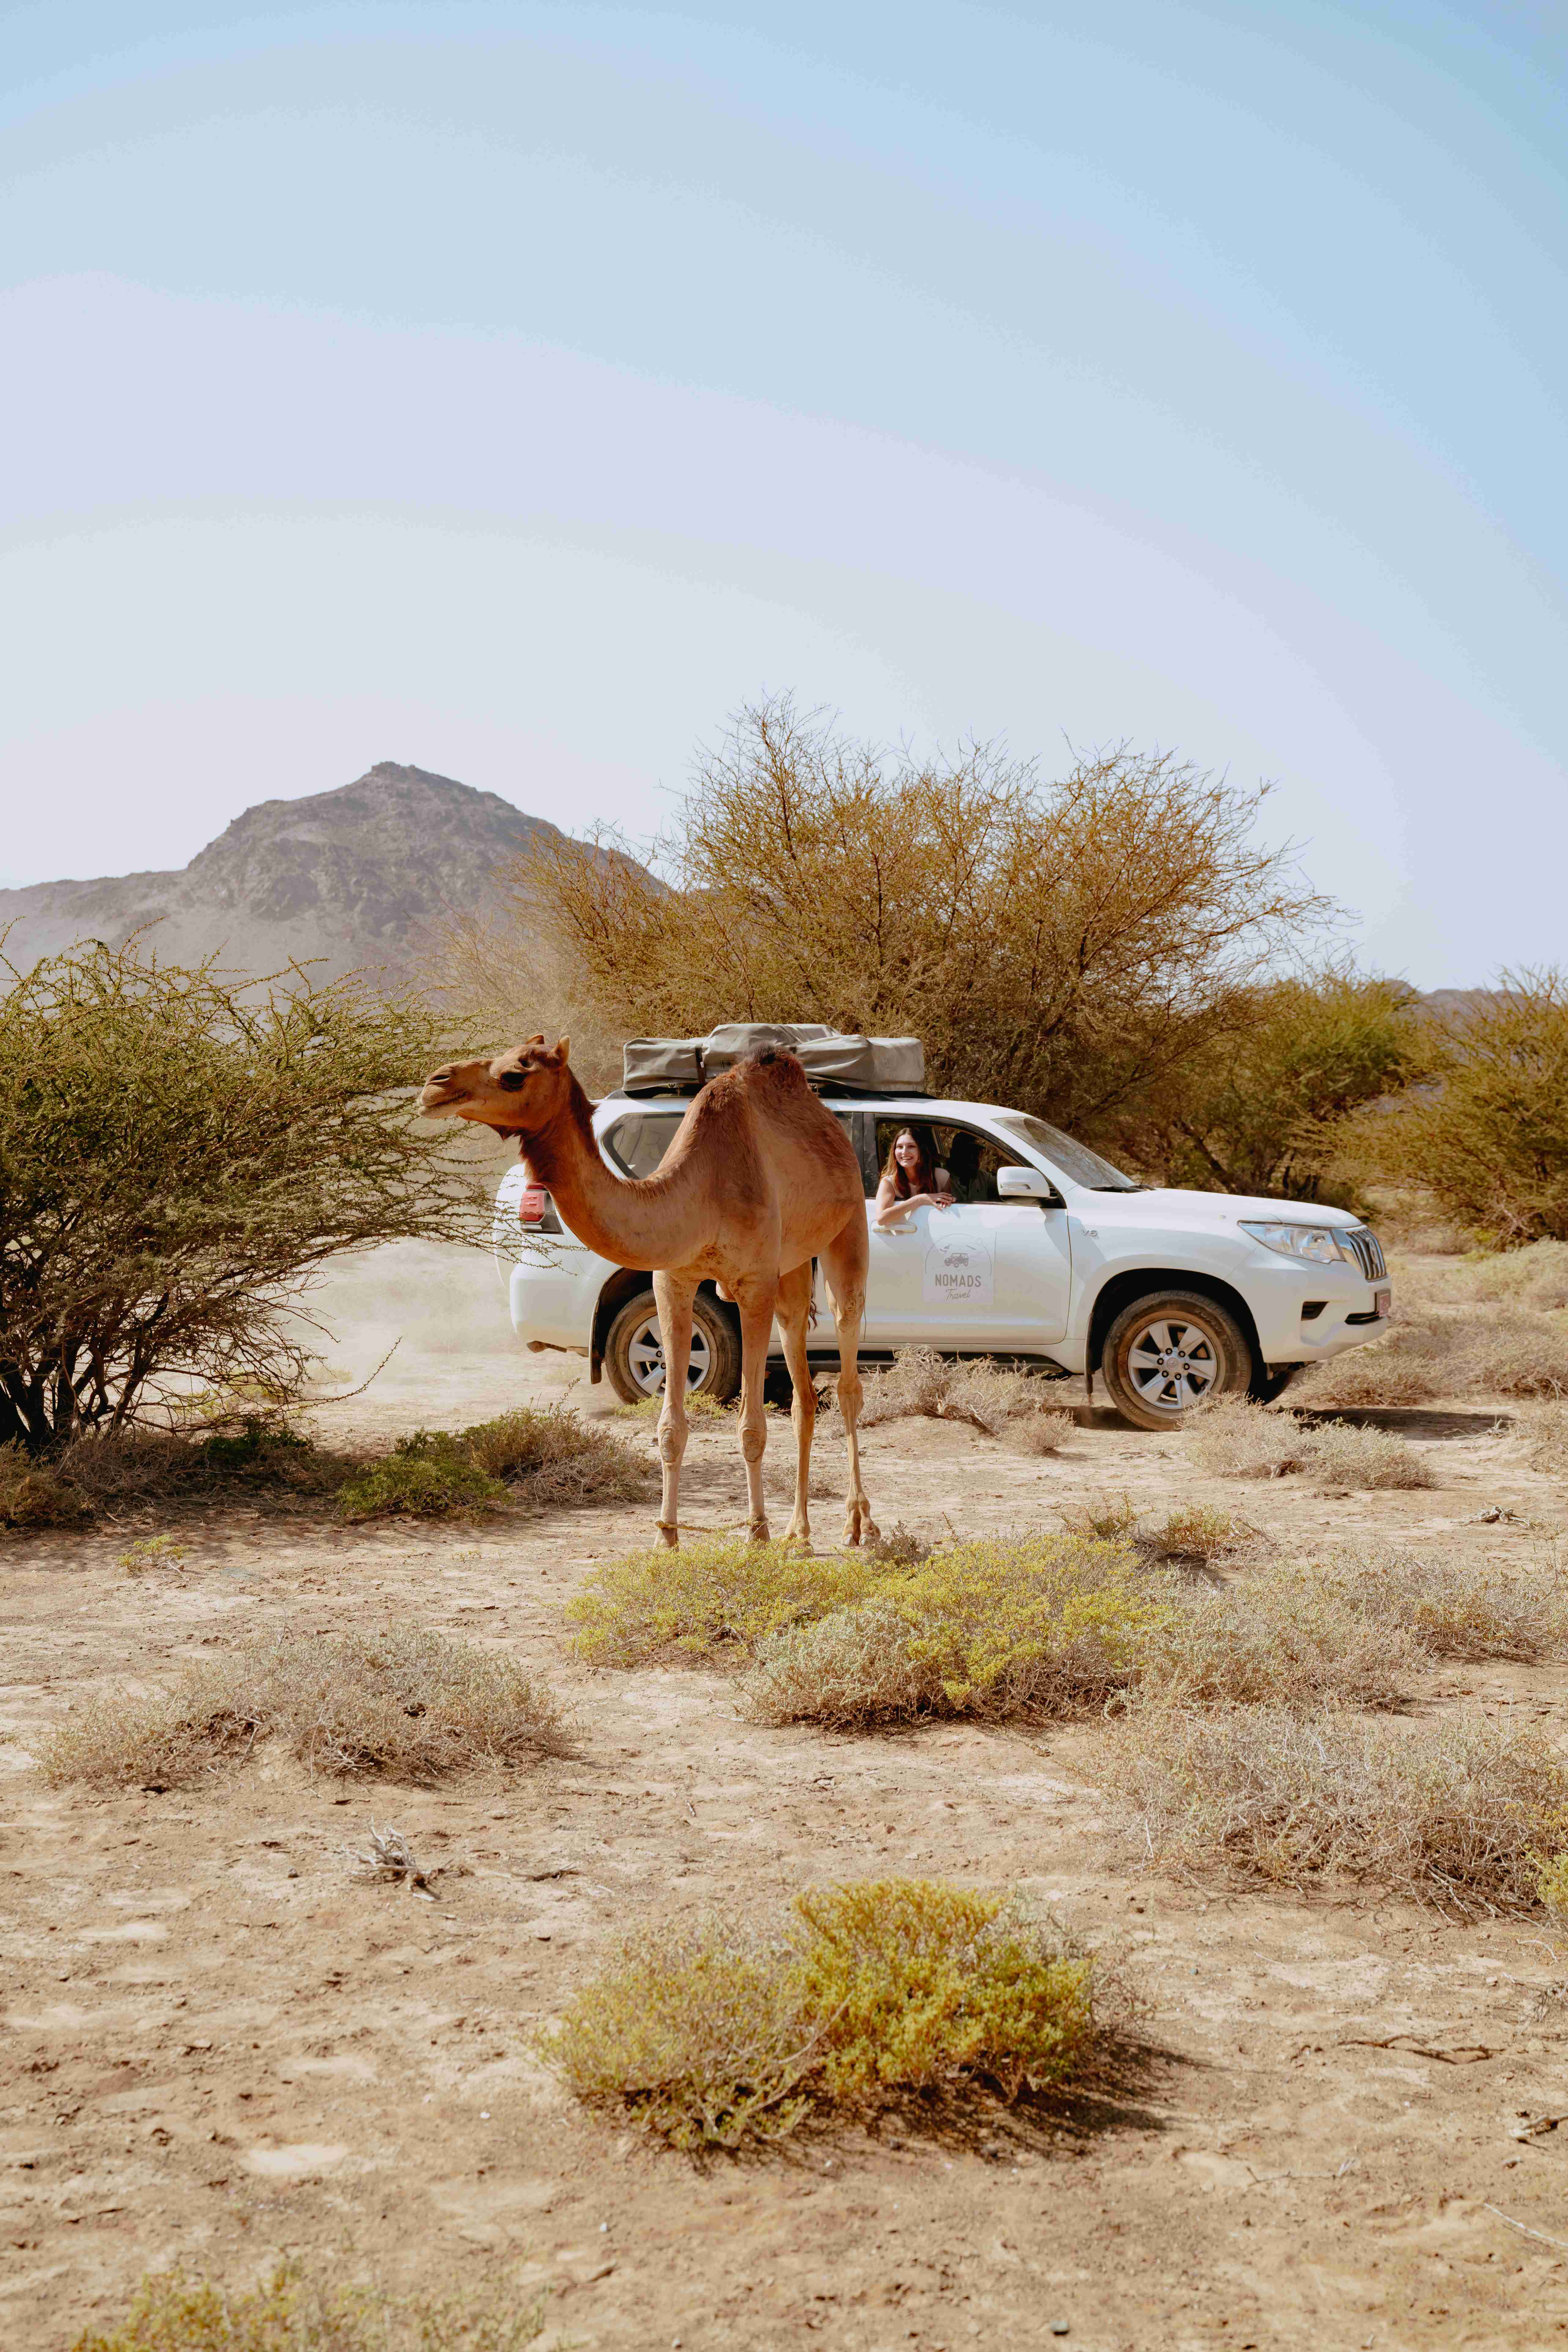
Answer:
x=532 y=1202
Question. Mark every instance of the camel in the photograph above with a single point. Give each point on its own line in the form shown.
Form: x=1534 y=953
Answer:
x=760 y=1179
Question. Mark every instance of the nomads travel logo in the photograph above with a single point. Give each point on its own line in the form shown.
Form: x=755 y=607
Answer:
x=958 y=1275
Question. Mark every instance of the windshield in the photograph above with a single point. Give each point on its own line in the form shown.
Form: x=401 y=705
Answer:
x=1075 y=1159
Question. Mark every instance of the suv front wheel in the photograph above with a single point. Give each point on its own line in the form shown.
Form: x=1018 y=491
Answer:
x=634 y=1352
x=1170 y=1351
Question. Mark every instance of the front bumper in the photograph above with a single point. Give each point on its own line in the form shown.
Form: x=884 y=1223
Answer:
x=1283 y=1295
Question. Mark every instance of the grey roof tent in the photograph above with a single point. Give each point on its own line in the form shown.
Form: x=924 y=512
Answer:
x=873 y=1065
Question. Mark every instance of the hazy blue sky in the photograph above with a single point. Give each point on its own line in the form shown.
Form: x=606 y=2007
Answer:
x=518 y=388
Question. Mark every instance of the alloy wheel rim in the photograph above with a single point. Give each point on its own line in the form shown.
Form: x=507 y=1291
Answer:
x=645 y=1358
x=1172 y=1364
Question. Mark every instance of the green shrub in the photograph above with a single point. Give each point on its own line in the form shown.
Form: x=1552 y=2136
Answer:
x=873 y=1993
x=400 y=1701
x=429 y=1475
x=713 y=1600
x=172 y=2311
x=1046 y=1626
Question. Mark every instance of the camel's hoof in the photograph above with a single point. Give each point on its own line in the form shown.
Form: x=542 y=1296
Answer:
x=758 y=1532
x=801 y=1536
x=669 y=1537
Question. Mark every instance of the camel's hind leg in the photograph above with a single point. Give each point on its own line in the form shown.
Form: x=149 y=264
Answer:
x=795 y=1320
x=673 y=1296
x=756 y=1300
x=845 y=1262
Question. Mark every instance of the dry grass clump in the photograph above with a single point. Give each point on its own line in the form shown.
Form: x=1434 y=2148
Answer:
x=1028 y=1630
x=1284 y=1639
x=1536 y=1275
x=871 y=1994
x=920 y=1384
x=708 y=1602
x=1452 y=1607
x=1234 y=1438
x=1464 y=1814
x=1342 y=1455
x=402 y=1702
x=1510 y=1351
x=1195 y=1531
x=291 y=2311
x=118 y=1469
x=700 y=1405
x=538 y=1455
x=1545 y=1428
x=32 y=1493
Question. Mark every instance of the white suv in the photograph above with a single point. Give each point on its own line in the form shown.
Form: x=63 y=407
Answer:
x=1050 y=1255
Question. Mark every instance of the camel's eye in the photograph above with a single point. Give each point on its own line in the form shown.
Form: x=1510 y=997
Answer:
x=509 y=1080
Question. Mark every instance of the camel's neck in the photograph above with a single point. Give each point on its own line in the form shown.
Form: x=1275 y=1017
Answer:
x=655 y=1223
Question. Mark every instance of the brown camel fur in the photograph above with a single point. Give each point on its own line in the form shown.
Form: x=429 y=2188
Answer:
x=760 y=1179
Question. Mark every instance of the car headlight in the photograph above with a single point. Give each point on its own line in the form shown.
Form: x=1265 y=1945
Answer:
x=1320 y=1244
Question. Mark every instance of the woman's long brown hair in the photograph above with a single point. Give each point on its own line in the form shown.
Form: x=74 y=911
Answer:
x=925 y=1144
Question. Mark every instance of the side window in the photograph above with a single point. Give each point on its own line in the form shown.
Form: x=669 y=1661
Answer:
x=970 y=1158
x=861 y=1129
x=637 y=1144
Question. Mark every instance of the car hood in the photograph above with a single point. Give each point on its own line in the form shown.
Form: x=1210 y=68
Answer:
x=1190 y=1207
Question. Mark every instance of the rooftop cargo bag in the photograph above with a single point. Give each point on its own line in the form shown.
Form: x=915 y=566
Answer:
x=880 y=1065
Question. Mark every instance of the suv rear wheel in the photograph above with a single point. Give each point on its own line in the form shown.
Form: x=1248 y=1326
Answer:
x=634 y=1352
x=1170 y=1351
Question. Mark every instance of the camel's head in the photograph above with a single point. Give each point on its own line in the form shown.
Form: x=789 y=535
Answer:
x=517 y=1094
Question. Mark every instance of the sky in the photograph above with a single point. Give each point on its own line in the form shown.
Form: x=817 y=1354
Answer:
x=518 y=390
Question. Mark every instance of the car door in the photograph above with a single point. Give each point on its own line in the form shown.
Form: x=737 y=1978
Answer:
x=985 y=1274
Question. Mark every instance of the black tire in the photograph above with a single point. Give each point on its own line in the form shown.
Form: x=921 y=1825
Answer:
x=1168 y=1350
x=633 y=1358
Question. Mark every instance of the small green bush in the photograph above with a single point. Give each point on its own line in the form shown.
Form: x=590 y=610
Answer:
x=708 y=1602
x=873 y=1993
x=429 y=1475
x=1040 y=1627
x=172 y=2311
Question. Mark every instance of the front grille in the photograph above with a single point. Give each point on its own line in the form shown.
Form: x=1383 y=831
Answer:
x=1368 y=1252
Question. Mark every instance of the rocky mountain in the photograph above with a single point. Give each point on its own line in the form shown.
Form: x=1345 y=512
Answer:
x=346 y=879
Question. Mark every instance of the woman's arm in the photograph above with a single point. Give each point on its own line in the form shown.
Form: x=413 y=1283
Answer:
x=891 y=1209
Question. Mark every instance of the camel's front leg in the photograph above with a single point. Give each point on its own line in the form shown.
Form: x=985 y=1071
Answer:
x=673 y=1296
x=756 y=1301
x=794 y=1321
x=844 y=1262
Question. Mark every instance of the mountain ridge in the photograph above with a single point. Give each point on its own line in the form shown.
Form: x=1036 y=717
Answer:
x=352 y=878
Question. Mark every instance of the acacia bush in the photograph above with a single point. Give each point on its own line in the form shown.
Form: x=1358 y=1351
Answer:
x=179 y=1154
x=1056 y=946
x=870 y=1994
x=1488 y=1139
x=1267 y=1108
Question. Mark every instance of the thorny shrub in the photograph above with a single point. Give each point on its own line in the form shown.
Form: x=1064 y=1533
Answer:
x=1510 y=1351
x=400 y=1701
x=1463 y=1814
x=1340 y=1455
x=172 y=2311
x=1044 y=1626
x=32 y=1495
x=1283 y=1638
x=871 y=1994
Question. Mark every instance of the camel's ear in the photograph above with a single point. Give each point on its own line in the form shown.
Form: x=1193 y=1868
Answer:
x=562 y=1047
x=537 y=1039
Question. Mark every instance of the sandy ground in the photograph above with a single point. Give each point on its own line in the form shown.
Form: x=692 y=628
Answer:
x=219 y=2045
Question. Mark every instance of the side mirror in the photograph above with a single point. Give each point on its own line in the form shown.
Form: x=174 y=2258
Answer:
x=1026 y=1184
